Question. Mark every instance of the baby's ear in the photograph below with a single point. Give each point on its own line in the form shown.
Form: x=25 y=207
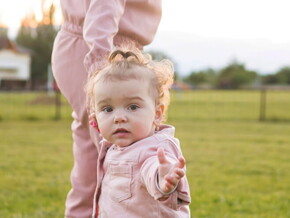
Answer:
x=159 y=113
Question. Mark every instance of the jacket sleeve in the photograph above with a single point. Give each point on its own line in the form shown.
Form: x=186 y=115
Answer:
x=101 y=24
x=149 y=170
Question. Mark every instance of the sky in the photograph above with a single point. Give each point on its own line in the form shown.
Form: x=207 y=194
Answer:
x=200 y=34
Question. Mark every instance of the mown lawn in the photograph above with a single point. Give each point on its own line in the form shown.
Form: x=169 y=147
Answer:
x=35 y=166
x=236 y=165
x=237 y=169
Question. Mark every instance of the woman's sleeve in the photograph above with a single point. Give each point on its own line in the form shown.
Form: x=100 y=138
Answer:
x=100 y=26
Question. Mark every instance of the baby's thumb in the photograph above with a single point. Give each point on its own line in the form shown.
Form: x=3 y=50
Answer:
x=161 y=156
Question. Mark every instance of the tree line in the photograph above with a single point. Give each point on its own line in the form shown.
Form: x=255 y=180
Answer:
x=235 y=76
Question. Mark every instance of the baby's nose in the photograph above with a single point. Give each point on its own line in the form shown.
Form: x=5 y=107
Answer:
x=120 y=117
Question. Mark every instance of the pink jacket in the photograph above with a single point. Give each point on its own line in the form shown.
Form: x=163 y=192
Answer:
x=104 y=23
x=129 y=185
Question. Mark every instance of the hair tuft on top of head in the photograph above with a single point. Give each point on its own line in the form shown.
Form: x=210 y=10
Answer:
x=128 y=55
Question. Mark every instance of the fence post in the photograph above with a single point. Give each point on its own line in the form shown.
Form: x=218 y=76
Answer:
x=263 y=99
x=57 y=105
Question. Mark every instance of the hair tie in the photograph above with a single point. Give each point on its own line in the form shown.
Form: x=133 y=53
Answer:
x=125 y=55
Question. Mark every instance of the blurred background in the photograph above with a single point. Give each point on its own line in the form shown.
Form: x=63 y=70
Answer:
x=230 y=105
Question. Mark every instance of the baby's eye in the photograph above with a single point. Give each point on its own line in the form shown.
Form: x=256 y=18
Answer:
x=133 y=107
x=107 y=109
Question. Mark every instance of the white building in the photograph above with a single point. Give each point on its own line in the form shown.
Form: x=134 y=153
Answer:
x=14 y=65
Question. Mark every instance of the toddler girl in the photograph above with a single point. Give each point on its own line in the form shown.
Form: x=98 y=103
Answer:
x=140 y=164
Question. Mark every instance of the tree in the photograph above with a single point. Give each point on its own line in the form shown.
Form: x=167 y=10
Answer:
x=3 y=31
x=283 y=76
x=203 y=77
x=38 y=37
x=270 y=79
x=235 y=76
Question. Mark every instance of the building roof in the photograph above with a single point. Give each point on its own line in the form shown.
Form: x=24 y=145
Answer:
x=178 y=85
x=6 y=43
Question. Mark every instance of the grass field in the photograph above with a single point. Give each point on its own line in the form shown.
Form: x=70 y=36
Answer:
x=236 y=166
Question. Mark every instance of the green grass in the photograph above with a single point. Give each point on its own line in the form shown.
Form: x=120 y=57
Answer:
x=31 y=106
x=34 y=168
x=236 y=166
x=237 y=169
x=229 y=105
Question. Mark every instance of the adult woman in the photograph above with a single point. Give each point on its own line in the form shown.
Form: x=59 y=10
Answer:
x=90 y=30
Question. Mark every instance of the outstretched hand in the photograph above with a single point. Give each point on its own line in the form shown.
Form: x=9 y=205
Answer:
x=169 y=174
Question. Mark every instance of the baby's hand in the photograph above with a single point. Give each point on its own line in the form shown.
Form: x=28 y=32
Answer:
x=169 y=174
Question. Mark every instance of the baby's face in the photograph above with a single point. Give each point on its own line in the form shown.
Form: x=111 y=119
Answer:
x=125 y=111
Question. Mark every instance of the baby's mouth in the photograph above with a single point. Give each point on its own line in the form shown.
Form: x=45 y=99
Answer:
x=121 y=130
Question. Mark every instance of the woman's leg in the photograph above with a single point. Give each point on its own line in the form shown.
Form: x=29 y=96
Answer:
x=70 y=75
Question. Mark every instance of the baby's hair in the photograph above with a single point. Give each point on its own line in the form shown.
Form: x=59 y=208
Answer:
x=125 y=55
x=125 y=64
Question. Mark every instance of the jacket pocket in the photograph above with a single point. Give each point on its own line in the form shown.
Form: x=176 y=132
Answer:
x=120 y=182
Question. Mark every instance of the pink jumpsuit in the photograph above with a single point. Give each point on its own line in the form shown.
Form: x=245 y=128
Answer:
x=90 y=30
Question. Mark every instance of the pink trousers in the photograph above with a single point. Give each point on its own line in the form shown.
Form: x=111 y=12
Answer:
x=67 y=65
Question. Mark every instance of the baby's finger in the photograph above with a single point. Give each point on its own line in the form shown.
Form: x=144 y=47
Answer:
x=179 y=173
x=181 y=162
x=171 y=181
x=161 y=156
x=169 y=186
